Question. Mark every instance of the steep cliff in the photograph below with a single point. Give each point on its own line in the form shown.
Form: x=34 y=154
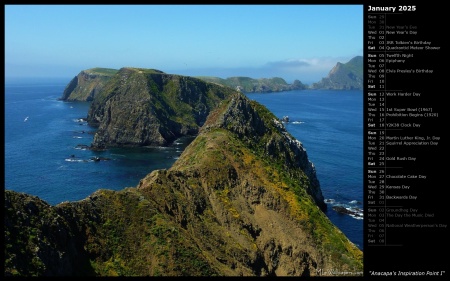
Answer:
x=251 y=85
x=348 y=76
x=140 y=107
x=240 y=201
x=87 y=84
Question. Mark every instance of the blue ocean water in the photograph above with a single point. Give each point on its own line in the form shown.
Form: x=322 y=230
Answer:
x=45 y=139
x=45 y=154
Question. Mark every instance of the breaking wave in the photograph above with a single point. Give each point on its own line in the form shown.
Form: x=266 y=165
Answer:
x=352 y=208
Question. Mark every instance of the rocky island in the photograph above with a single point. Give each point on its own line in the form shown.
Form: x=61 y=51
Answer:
x=343 y=76
x=147 y=107
x=242 y=200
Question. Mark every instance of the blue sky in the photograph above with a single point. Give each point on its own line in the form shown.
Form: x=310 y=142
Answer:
x=290 y=41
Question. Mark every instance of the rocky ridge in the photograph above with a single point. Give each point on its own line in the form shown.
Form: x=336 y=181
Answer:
x=242 y=200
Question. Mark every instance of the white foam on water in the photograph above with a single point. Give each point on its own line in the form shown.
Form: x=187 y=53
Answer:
x=74 y=160
x=358 y=213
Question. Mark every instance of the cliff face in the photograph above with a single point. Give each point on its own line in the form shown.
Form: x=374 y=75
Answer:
x=348 y=76
x=262 y=85
x=87 y=84
x=140 y=107
x=240 y=201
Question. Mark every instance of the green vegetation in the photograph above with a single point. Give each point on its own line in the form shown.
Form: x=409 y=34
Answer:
x=102 y=71
x=135 y=239
x=356 y=65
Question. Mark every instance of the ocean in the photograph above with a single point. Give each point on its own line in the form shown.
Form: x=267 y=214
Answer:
x=45 y=142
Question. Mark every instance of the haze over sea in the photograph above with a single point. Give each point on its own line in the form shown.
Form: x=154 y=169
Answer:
x=45 y=139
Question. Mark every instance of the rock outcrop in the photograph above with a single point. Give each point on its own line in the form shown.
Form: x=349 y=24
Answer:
x=143 y=107
x=87 y=84
x=240 y=201
x=251 y=85
x=348 y=76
